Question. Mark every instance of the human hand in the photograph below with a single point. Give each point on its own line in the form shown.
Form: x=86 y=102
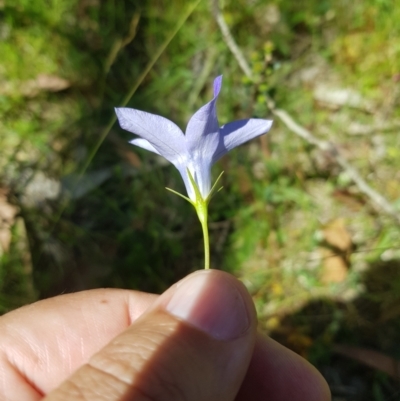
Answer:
x=195 y=342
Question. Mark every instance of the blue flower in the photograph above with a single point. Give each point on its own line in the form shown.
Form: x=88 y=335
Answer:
x=193 y=153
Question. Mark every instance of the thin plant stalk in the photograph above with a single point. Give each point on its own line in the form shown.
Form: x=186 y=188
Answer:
x=202 y=213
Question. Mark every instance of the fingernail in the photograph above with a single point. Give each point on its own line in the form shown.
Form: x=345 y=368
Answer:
x=211 y=303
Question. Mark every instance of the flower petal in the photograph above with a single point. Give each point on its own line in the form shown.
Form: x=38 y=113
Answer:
x=201 y=172
x=189 y=188
x=238 y=132
x=202 y=131
x=161 y=133
x=144 y=144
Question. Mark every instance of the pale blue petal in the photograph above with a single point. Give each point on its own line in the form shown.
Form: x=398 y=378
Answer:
x=202 y=131
x=182 y=168
x=201 y=172
x=142 y=143
x=161 y=133
x=238 y=132
x=217 y=85
x=203 y=144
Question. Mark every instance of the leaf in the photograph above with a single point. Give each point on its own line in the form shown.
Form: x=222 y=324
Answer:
x=7 y=217
x=334 y=267
x=371 y=358
x=51 y=83
x=77 y=186
x=336 y=257
x=44 y=83
x=337 y=236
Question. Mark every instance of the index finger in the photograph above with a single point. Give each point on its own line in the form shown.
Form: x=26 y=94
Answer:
x=48 y=340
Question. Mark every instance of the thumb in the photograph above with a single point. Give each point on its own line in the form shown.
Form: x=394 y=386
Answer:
x=194 y=344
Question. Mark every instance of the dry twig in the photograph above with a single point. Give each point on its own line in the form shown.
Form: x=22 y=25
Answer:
x=120 y=43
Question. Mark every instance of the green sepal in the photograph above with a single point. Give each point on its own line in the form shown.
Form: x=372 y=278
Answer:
x=200 y=204
x=213 y=190
x=182 y=196
x=199 y=197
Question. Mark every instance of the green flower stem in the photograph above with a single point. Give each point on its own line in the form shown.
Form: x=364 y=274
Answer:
x=201 y=206
x=202 y=213
x=204 y=226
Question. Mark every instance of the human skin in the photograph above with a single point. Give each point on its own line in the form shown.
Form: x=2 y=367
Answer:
x=197 y=341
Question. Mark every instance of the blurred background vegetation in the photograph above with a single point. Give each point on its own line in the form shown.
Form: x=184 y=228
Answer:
x=80 y=208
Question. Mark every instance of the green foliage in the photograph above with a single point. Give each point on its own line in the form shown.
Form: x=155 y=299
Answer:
x=108 y=221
